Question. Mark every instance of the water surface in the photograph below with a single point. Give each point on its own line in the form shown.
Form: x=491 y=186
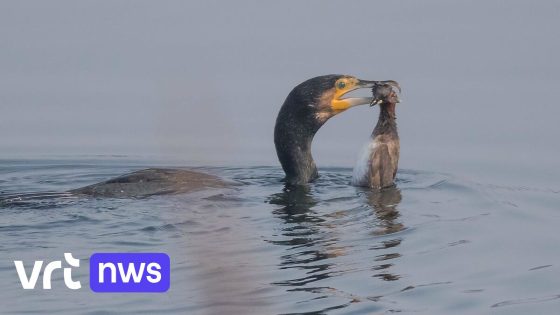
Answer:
x=436 y=244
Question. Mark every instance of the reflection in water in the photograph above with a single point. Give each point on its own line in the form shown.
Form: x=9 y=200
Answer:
x=385 y=203
x=329 y=246
x=316 y=236
x=303 y=231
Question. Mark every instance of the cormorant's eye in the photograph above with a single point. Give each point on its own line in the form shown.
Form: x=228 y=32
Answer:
x=341 y=84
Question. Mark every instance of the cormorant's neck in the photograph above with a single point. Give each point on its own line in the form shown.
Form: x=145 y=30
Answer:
x=293 y=135
x=387 y=123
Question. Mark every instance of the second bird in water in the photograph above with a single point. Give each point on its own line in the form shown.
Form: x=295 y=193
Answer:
x=378 y=162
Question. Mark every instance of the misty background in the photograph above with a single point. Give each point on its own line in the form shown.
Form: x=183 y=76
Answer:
x=201 y=82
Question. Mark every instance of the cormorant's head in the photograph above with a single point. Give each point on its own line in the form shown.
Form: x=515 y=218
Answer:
x=326 y=94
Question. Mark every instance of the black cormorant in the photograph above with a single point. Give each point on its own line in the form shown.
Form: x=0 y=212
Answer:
x=308 y=106
x=379 y=160
x=152 y=181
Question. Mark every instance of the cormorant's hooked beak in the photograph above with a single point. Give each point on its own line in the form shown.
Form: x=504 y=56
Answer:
x=340 y=104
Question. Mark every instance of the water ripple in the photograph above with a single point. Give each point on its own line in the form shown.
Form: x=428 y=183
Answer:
x=423 y=246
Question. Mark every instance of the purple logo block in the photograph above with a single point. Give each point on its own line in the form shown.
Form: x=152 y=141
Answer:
x=129 y=272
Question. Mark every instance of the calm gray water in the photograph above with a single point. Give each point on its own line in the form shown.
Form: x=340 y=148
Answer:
x=437 y=244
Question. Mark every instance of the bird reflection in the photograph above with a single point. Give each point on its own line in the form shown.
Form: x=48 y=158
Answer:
x=302 y=230
x=313 y=235
x=385 y=203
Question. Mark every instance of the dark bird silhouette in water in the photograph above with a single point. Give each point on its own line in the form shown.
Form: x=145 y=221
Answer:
x=153 y=181
x=308 y=106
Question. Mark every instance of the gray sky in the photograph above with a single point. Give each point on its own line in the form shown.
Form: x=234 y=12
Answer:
x=203 y=81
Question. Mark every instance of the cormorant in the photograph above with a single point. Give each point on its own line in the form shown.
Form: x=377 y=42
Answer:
x=308 y=106
x=379 y=160
x=152 y=181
